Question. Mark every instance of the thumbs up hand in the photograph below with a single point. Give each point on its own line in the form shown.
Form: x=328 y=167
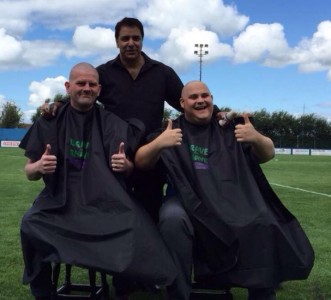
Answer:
x=119 y=162
x=246 y=132
x=262 y=146
x=170 y=137
x=47 y=163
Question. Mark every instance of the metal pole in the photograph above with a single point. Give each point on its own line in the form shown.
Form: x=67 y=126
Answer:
x=200 y=53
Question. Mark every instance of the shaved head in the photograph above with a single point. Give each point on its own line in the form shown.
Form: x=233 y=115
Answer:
x=83 y=67
x=197 y=102
x=192 y=84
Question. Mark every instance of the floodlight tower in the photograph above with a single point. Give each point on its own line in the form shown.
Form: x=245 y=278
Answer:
x=200 y=53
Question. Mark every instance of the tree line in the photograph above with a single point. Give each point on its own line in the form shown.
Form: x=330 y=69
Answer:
x=286 y=130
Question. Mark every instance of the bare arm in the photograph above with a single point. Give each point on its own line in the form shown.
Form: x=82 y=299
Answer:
x=34 y=170
x=263 y=147
x=148 y=155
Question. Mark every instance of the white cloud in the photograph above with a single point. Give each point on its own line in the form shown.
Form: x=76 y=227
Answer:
x=178 y=50
x=20 y=54
x=263 y=43
x=10 y=47
x=314 y=54
x=93 y=40
x=46 y=89
x=161 y=16
x=15 y=15
x=27 y=115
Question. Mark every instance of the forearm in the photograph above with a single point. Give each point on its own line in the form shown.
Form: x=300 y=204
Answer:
x=263 y=147
x=148 y=155
x=129 y=168
x=32 y=170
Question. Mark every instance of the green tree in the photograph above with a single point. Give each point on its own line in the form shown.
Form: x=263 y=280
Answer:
x=169 y=113
x=11 y=115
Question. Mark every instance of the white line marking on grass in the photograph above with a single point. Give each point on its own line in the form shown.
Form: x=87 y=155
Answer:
x=302 y=190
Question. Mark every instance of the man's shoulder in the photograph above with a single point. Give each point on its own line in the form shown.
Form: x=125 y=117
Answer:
x=108 y=64
x=152 y=61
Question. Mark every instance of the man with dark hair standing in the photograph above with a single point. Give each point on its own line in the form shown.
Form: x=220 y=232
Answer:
x=134 y=85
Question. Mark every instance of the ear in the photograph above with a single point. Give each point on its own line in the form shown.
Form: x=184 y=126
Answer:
x=100 y=86
x=181 y=101
x=67 y=86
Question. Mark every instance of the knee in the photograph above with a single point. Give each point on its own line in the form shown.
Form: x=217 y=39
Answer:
x=174 y=220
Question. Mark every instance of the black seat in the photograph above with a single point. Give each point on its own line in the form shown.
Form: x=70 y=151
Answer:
x=79 y=291
x=208 y=291
x=206 y=286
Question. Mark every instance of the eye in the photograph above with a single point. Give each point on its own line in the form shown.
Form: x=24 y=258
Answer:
x=193 y=96
x=124 y=38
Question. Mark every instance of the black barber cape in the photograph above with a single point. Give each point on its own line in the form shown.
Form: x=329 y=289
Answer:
x=84 y=216
x=243 y=232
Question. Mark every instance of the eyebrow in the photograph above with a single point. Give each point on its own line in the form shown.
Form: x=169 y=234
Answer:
x=203 y=95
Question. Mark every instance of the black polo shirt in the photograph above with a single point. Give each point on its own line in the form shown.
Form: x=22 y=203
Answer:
x=142 y=98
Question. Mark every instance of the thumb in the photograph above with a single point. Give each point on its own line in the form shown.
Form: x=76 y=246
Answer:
x=246 y=118
x=169 y=126
x=121 y=148
x=48 y=150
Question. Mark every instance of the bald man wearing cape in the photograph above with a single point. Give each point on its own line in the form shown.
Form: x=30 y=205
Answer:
x=221 y=209
x=85 y=215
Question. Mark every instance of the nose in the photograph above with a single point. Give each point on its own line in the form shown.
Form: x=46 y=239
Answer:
x=200 y=99
x=87 y=87
x=130 y=42
x=88 y=84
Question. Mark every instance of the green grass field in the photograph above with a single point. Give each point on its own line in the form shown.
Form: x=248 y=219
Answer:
x=302 y=182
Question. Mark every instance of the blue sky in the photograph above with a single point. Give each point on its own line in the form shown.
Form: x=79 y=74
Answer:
x=263 y=54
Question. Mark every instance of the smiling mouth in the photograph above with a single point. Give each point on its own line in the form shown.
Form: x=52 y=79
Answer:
x=200 y=107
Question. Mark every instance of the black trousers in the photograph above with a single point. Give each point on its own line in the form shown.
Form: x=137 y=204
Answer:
x=178 y=233
x=148 y=191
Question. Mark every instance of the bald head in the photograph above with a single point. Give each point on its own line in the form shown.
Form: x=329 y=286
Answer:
x=83 y=86
x=197 y=102
x=193 y=84
x=83 y=67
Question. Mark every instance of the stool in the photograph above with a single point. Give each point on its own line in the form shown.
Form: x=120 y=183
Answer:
x=205 y=291
x=76 y=291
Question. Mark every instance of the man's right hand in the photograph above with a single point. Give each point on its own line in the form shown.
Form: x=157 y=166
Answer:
x=170 y=137
x=48 y=110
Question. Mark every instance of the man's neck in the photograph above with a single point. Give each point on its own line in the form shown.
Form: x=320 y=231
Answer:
x=82 y=109
x=133 y=66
